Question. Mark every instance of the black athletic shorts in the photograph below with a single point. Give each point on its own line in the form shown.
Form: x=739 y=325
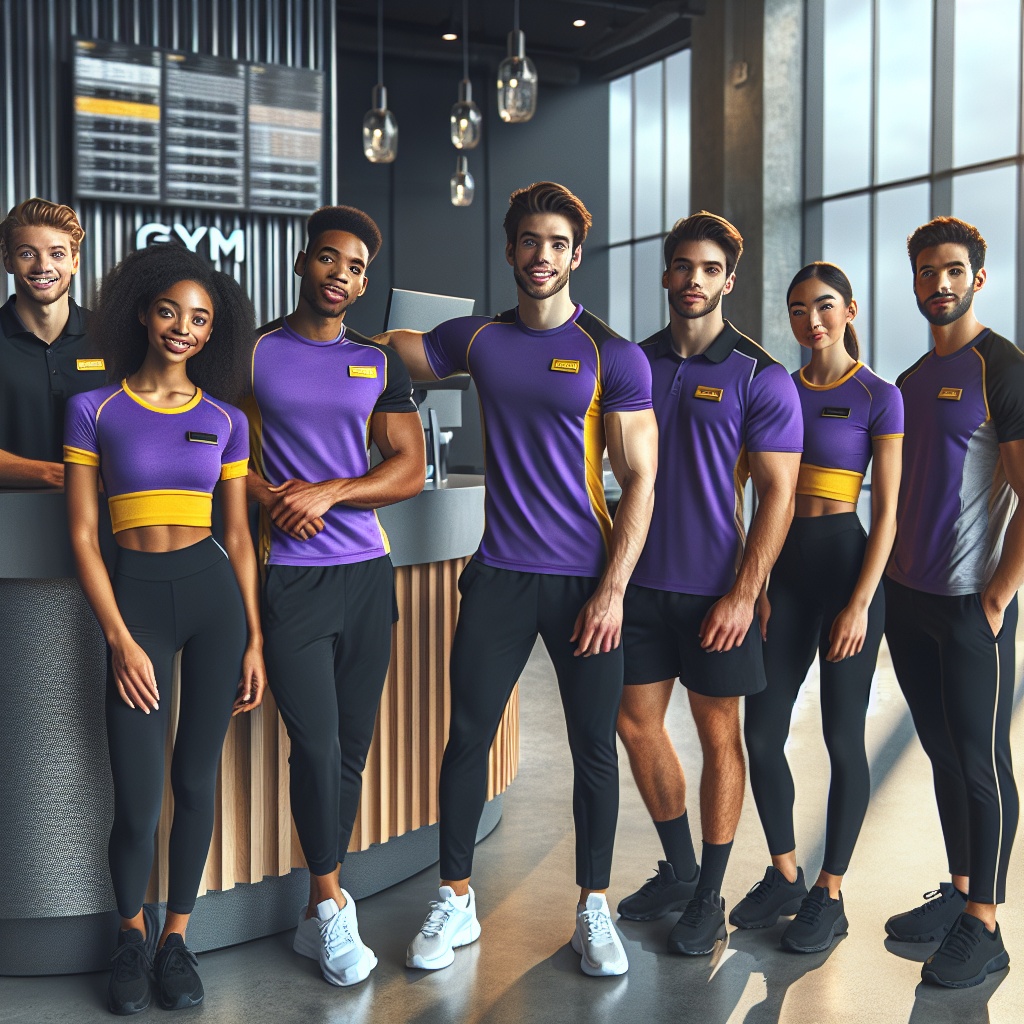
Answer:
x=661 y=639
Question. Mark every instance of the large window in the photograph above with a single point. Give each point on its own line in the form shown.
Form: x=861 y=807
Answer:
x=913 y=111
x=649 y=188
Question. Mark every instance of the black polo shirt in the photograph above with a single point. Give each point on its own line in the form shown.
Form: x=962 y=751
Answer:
x=37 y=379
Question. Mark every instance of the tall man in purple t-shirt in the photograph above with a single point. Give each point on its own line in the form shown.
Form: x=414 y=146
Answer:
x=320 y=393
x=951 y=594
x=726 y=411
x=556 y=385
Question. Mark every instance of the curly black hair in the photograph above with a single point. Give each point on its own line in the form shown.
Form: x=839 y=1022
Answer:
x=344 y=218
x=222 y=367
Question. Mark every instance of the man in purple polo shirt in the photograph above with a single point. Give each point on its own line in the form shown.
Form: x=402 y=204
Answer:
x=726 y=411
x=320 y=393
x=556 y=385
x=951 y=594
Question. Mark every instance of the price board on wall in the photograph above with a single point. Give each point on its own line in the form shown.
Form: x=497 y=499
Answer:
x=191 y=130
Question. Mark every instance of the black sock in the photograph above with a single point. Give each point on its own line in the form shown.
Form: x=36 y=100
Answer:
x=713 y=860
x=678 y=845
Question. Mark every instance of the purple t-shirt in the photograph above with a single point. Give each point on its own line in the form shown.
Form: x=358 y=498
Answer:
x=159 y=466
x=840 y=422
x=543 y=397
x=954 y=499
x=309 y=415
x=712 y=410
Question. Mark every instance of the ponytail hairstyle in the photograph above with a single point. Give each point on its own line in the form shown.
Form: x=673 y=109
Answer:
x=830 y=274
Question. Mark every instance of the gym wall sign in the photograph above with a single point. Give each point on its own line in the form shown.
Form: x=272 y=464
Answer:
x=219 y=245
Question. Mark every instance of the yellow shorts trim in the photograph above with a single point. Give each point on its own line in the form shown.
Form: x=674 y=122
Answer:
x=80 y=457
x=160 y=508
x=823 y=482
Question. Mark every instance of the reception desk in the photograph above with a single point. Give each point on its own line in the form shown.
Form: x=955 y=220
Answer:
x=56 y=802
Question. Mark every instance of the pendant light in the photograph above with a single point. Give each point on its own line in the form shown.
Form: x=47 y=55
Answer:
x=466 y=121
x=380 y=129
x=517 y=79
x=462 y=183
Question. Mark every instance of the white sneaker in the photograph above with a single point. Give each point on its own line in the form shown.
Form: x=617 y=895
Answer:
x=344 y=960
x=307 y=936
x=597 y=941
x=447 y=926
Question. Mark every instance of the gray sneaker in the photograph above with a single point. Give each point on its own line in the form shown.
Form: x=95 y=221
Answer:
x=597 y=941
x=659 y=895
x=446 y=927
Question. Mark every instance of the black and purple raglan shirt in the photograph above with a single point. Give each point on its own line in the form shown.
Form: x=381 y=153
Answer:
x=955 y=501
x=543 y=398
x=712 y=409
x=309 y=417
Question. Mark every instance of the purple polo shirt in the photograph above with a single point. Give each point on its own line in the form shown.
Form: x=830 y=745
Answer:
x=954 y=499
x=712 y=410
x=159 y=466
x=543 y=398
x=309 y=417
x=841 y=420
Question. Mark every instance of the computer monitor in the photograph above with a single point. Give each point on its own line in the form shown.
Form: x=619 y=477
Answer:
x=423 y=311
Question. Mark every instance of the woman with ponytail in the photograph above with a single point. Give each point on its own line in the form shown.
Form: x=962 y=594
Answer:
x=823 y=598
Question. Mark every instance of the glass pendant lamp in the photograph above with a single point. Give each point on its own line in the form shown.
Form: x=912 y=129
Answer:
x=380 y=128
x=517 y=79
x=462 y=183
x=466 y=121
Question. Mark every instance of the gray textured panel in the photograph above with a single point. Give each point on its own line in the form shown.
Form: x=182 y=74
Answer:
x=56 y=797
x=435 y=525
x=73 y=945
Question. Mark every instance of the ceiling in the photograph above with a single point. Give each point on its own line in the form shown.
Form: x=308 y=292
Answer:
x=617 y=36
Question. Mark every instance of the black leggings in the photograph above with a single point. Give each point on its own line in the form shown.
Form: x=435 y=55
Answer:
x=958 y=681
x=502 y=612
x=811 y=583
x=327 y=645
x=185 y=600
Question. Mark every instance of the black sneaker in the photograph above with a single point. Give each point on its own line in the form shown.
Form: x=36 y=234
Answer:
x=128 y=990
x=968 y=954
x=818 y=921
x=773 y=897
x=930 y=921
x=177 y=983
x=702 y=923
x=659 y=895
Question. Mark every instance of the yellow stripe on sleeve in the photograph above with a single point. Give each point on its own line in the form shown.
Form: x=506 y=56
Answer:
x=80 y=457
x=233 y=470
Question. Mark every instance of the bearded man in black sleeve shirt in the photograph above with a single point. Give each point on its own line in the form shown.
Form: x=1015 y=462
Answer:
x=45 y=356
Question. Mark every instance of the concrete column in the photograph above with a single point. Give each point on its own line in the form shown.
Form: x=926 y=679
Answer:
x=747 y=151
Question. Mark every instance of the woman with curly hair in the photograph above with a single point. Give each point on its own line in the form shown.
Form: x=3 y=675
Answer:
x=176 y=338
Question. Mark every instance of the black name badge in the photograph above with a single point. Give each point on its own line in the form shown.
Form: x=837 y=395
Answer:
x=196 y=435
x=835 y=412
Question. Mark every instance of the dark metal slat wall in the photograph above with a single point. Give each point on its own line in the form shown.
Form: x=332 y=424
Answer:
x=36 y=140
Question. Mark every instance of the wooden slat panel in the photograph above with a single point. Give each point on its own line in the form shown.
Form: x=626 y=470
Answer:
x=253 y=830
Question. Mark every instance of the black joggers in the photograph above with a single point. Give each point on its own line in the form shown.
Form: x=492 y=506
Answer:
x=501 y=614
x=184 y=600
x=811 y=583
x=958 y=681
x=327 y=646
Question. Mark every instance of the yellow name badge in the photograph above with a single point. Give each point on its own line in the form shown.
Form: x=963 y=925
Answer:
x=566 y=365
x=711 y=394
x=362 y=371
x=951 y=394
x=90 y=364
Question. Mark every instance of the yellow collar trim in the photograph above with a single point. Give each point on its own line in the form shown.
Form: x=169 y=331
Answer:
x=190 y=404
x=828 y=387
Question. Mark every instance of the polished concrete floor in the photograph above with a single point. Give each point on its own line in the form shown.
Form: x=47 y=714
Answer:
x=522 y=969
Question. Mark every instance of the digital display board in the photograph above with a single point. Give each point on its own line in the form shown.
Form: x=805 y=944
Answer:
x=204 y=131
x=285 y=138
x=186 y=129
x=117 y=121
